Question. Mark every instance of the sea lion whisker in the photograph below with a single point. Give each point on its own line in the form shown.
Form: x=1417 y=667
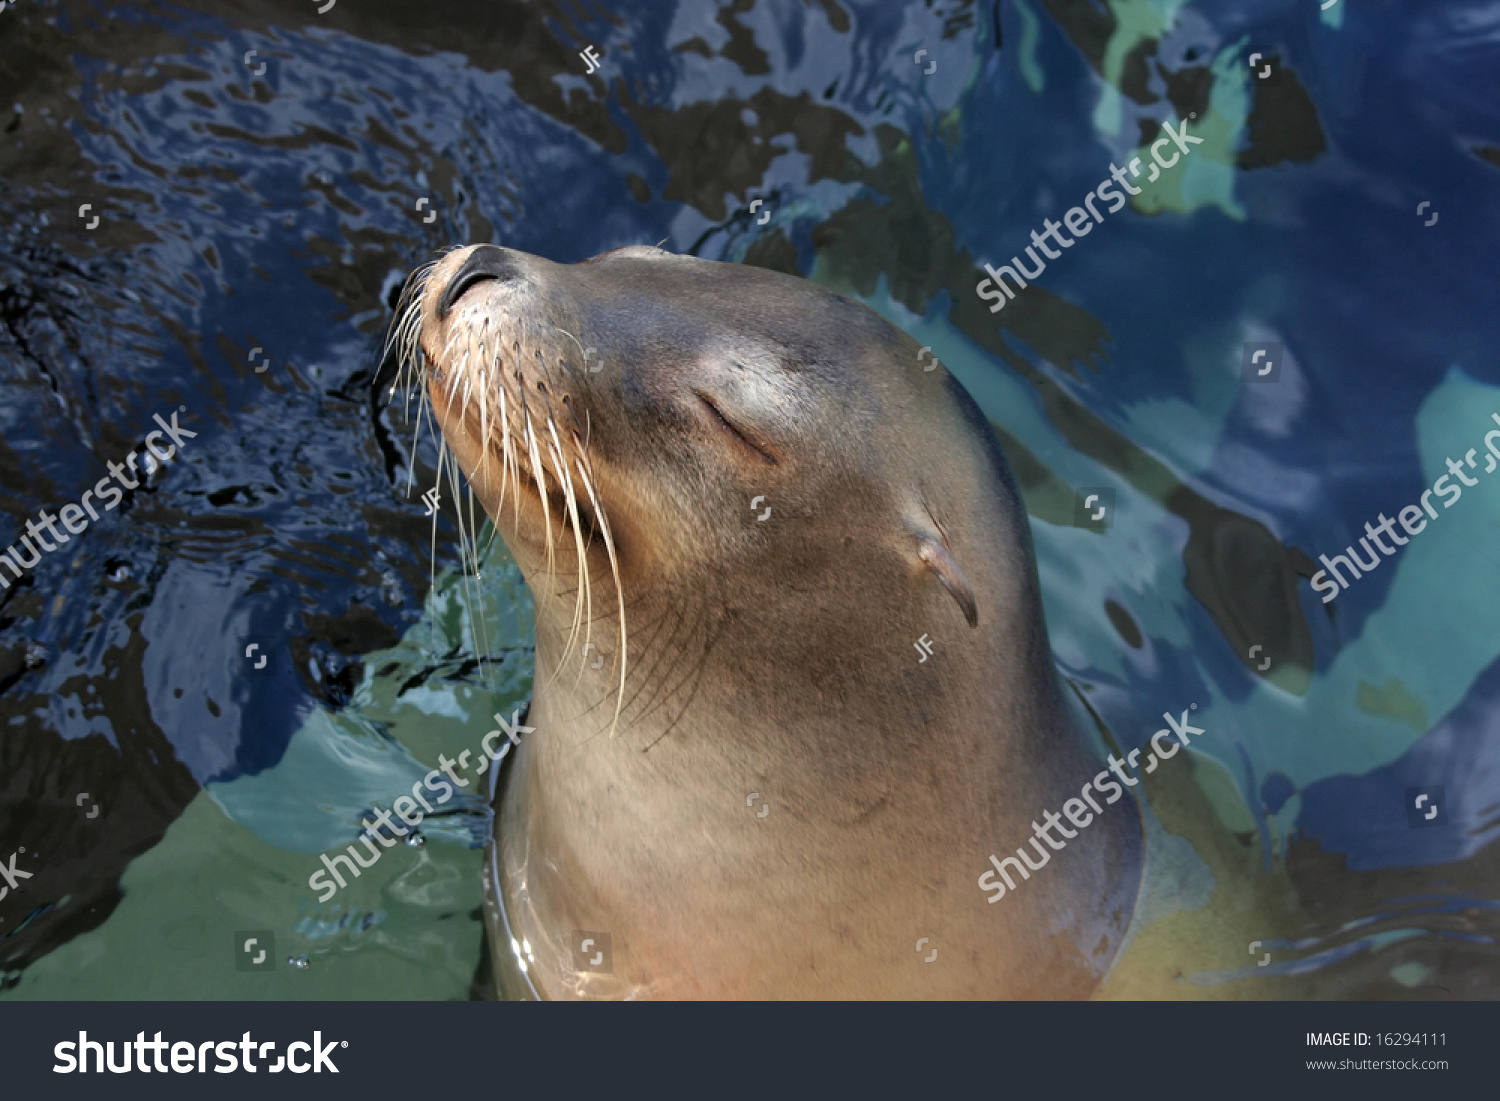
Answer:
x=458 y=512
x=570 y=498
x=614 y=567
x=484 y=417
x=506 y=459
x=705 y=637
x=479 y=631
x=467 y=543
x=510 y=451
x=576 y=432
x=668 y=653
x=416 y=365
x=484 y=424
x=577 y=444
x=658 y=636
x=467 y=533
x=634 y=697
x=424 y=411
x=494 y=534
x=463 y=411
x=559 y=464
x=447 y=356
x=583 y=354
x=394 y=343
x=443 y=454
x=411 y=317
x=400 y=337
x=427 y=415
x=421 y=384
x=473 y=527
x=403 y=368
x=584 y=474
x=539 y=473
x=586 y=470
x=587 y=574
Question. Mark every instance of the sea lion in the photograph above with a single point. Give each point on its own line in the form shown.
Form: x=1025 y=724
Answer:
x=793 y=681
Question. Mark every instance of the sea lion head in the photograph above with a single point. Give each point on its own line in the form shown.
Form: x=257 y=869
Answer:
x=795 y=538
x=683 y=429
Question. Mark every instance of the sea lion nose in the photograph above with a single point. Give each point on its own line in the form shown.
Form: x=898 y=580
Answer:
x=485 y=262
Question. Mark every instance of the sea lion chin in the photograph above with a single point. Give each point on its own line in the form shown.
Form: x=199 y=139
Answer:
x=793 y=681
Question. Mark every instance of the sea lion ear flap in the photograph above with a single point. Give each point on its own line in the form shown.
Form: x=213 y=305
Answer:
x=936 y=557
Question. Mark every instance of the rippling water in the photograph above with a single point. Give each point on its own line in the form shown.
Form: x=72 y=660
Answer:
x=262 y=184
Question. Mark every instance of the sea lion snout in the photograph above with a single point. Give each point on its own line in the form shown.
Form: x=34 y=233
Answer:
x=483 y=263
